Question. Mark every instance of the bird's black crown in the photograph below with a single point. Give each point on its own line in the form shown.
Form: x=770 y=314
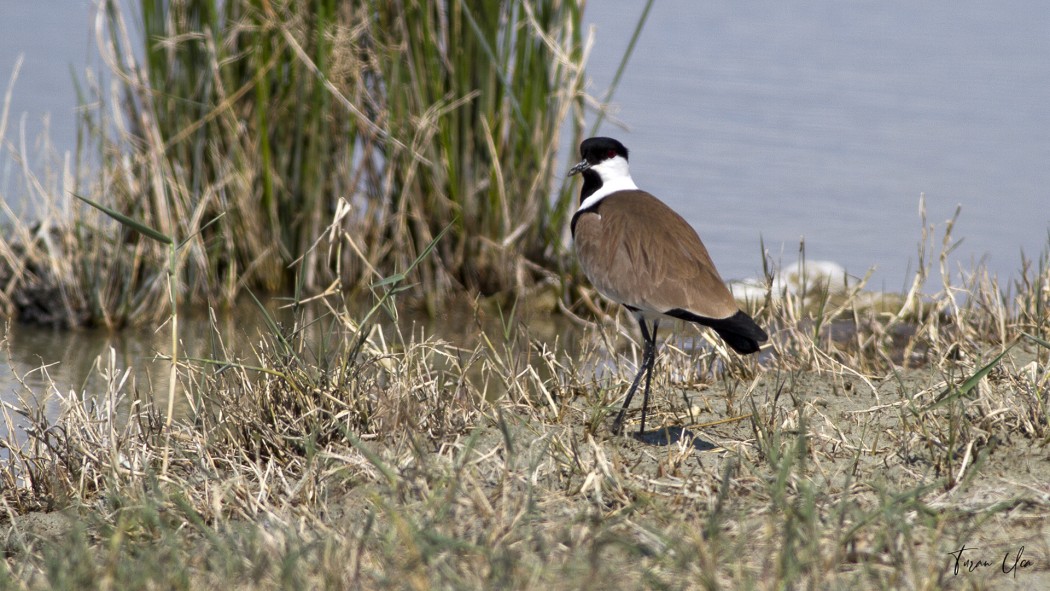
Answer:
x=599 y=149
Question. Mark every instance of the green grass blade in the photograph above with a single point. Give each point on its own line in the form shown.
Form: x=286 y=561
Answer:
x=202 y=228
x=399 y=277
x=130 y=223
x=1036 y=340
x=950 y=393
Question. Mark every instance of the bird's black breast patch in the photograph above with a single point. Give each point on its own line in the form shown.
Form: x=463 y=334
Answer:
x=576 y=216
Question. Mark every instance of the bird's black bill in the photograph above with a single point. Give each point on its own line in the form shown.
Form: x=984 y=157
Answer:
x=582 y=166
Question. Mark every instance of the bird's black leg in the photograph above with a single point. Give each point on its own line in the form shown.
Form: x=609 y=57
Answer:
x=650 y=349
x=617 y=427
x=647 y=365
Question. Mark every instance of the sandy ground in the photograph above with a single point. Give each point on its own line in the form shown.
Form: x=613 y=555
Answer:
x=989 y=498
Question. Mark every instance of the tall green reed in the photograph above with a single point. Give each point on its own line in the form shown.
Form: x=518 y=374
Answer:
x=396 y=119
x=480 y=91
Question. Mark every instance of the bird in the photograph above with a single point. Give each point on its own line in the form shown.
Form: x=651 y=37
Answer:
x=641 y=254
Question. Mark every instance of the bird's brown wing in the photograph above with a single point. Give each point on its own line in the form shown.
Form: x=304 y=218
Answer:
x=637 y=251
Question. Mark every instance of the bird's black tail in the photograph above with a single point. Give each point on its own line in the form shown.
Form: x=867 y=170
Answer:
x=739 y=331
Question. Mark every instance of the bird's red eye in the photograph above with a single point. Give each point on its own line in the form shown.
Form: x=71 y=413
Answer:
x=610 y=153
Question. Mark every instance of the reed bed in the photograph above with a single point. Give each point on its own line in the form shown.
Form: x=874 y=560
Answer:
x=240 y=128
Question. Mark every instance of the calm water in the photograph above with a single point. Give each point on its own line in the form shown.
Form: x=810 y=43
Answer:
x=827 y=120
x=55 y=38
x=823 y=121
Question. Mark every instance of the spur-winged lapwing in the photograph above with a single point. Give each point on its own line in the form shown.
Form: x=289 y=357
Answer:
x=638 y=252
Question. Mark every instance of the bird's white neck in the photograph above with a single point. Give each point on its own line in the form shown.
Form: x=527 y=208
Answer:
x=615 y=175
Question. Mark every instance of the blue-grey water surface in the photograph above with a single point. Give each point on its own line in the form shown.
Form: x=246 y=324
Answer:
x=827 y=120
